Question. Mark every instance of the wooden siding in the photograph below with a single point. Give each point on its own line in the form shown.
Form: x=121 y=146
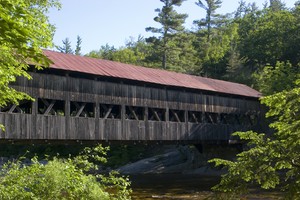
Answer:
x=29 y=127
x=61 y=87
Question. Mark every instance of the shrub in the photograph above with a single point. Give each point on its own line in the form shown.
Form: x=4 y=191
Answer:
x=62 y=179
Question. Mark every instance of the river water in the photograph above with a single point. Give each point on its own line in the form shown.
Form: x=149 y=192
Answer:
x=172 y=186
x=182 y=187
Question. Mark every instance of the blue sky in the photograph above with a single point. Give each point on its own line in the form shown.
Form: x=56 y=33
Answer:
x=100 y=22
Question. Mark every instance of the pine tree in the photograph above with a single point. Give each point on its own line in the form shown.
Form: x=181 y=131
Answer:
x=66 y=48
x=211 y=17
x=276 y=5
x=171 y=22
x=78 y=45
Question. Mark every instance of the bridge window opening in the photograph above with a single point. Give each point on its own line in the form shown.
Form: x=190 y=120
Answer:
x=195 y=117
x=51 y=107
x=24 y=107
x=134 y=113
x=82 y=109
x=109 y=111
x=211 y=118
x=157 y=114
x=176 y=115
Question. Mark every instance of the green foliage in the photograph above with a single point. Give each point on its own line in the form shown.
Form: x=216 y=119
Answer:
x=236 y=70
x=62 y=179
x=276 y=79
x=271 y=161
x=56 y=180
x=171 y=23
x=127 y=55
x=213 y=52
x=135 y=52
x=105 y=52
x=66 y=47
x=222 y=46
x=78 y=45
x=269 y=37
x=24 y=30
x=215 y=35
x=276 y=5
x=170 y=20
x=212 y=19
x=182 y=54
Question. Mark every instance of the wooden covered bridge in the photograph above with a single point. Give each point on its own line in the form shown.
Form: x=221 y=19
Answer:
x=86 y=99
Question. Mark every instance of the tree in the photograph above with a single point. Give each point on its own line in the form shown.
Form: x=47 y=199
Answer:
x=213 y=54
x=183 y=58
x=213 y=39
x=236 y=70
x=67 y=47
x=276 y=5
x=24 y=31
x=271 y=162
x=105 y=52
x=240 y=10
x=275 y=79
x=268 y=37
x=212 y=18
x=125 y=55
x=171 y=22
x=136 y=52
x=78 y=46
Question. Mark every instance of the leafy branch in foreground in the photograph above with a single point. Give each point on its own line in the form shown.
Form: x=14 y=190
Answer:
x=24 y=31
x=271 y=161
x=62 y=179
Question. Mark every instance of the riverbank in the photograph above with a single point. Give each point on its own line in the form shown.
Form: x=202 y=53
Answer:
x=182 y=172
x=176 y=172
x=180 y=160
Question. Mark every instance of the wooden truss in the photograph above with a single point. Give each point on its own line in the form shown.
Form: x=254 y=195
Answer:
x=114 y=111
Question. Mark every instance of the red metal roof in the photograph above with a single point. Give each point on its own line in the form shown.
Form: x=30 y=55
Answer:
x=157 y=76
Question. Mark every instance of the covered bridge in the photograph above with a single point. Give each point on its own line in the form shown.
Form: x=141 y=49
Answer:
x=87 y=99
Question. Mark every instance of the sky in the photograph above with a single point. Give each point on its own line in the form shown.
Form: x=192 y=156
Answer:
x=113 y=22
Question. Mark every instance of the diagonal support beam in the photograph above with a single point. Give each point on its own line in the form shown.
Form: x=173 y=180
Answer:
x=133 y=112
x=50 y=107
x=108 y=112
x=155 y=114
x=195 y=118
x=175 y=115
x=12 y=108
x=45 y=102
x=80 y=109
x=210 y=118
